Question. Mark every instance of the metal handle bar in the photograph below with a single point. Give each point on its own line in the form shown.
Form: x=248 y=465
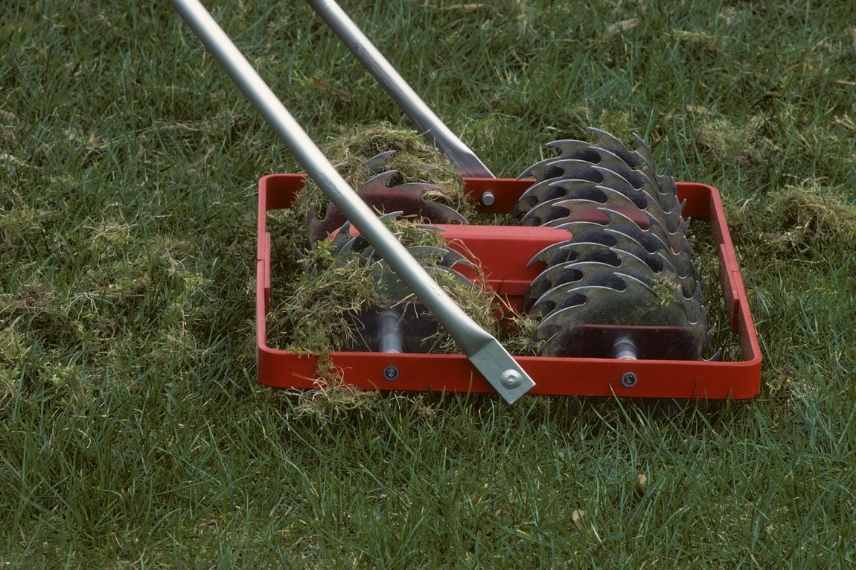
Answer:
x=465 y=160
x=484 y=351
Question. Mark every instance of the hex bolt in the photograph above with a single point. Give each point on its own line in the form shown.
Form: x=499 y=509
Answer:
x=488 y=198
x=391 y=373
x=629 y=379
x=511 y=378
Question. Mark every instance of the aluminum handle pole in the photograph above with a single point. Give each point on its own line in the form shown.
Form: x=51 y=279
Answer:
x=465 y=160
x=483 y=350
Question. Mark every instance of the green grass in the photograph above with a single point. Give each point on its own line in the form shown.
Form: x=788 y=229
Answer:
x=132 y=433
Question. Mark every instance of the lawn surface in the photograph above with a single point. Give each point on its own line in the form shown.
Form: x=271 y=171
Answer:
x=132 y=433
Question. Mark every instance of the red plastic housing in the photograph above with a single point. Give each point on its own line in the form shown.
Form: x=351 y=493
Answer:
x=504 y=252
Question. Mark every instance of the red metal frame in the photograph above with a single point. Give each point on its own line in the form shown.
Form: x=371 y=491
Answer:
x=504 y=253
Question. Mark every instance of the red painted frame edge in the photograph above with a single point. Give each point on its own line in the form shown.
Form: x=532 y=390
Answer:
x=553 y=376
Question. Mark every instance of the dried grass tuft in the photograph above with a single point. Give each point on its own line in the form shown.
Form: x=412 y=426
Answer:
x=808 y=215
x=800 y=219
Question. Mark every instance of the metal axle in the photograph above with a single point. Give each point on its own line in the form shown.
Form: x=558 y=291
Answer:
x=390 y=339
x=483 y=350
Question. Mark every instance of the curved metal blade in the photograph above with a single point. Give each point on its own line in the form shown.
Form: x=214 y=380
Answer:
x=442 y=256
x=380 y=161
x=610 y=142
x=429 y=255
x=389 y=179
x=665 y=184
x=654 y=238
x=386 y=191
x=588 y=236
x=564 y=174
x=555 y=188
x=582 y=209
x=552 y=285
x=630 y=165
x=345 y=244
x=574 y=250
x=580 y=197
x=575 y=271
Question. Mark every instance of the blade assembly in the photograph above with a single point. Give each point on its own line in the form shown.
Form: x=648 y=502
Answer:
x=399 y=323
x=629 y=263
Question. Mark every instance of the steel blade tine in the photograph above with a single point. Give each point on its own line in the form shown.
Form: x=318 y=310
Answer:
x=390 y=216
x=343 y=234
x=613 y=144
x=579 y=274
x=572 y=271
x=445 y=256
x=644 y=151
x=380 y=161
x=451 y=213
x=430 y=228
x=562 y=317
x=569 y=251
x=381 y=181
x=350 y=246
x=547 y=190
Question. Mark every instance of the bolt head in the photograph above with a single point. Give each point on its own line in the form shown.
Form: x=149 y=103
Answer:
x=391 y=373
x=511 y=378
x=488 y=198
x=629 y=379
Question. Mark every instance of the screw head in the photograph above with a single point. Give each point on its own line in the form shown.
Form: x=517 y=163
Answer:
x=390 y=373
x=629 y=379
x=488 y=198
x=511 y=378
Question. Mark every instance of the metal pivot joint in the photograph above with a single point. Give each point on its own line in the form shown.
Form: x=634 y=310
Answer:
x=485 y=353
x=464 y=159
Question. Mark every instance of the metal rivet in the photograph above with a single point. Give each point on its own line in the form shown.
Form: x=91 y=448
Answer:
x=488 y=198
x=629 y=379
x=511 y=378
x=390 y=373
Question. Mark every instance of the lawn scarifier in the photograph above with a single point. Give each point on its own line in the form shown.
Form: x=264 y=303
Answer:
x=599 y=256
